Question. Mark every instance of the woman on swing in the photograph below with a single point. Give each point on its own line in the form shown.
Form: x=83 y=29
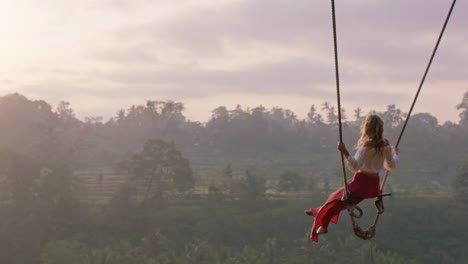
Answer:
x=373 y=153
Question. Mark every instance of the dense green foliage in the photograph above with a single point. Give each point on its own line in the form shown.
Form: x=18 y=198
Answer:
x=460 y=184
x=291 y=181
x=159 y=167
x=230 y=191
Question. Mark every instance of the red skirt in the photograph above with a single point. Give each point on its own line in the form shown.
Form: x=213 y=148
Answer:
x=362 y=186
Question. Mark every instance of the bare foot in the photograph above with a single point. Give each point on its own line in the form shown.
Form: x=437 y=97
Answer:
x=321 y=230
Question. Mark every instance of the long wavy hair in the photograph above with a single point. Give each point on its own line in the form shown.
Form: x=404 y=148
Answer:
x=372 y=133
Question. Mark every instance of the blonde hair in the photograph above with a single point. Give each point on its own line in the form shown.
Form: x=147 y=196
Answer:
x=372 y=133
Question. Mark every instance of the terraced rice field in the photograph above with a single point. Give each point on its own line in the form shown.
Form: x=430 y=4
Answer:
x=100 y=184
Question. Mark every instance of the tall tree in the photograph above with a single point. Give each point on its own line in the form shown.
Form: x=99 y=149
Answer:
x=330 y=112
x=65 y=113
x=463 y=106
x=291 y=181
x=227 y=171
x=358 y=114
x=460 y=184
x=19 y=175
x=311 y=114
x=255 y=185
x=160 y=166
x=393 y=117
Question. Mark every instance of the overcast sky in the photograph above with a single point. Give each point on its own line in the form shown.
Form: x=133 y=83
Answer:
x=103 y=55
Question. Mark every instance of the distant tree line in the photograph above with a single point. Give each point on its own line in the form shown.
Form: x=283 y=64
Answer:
x=238 y=134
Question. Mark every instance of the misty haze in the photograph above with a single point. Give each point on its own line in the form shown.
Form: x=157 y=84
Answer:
x=206 y=132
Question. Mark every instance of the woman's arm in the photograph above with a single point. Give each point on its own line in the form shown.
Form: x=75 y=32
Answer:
x=354 y=163
x=343 y=149
x=390 y=157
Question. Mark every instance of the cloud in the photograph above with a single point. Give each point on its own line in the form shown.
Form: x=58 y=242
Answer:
x=296 y=76
x=394 y=38
x=126 y=56
x=375 y=97
x=197 y=49
x=55 y=89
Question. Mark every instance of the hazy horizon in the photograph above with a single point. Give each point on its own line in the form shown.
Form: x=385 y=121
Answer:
x=206 y=115
x=153 y=185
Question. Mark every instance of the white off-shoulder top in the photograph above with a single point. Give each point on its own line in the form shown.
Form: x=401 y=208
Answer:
x=370 y=160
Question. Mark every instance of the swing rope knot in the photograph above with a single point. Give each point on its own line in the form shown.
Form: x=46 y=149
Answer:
x=352 y=208
x=367 y=234
x=379 y=205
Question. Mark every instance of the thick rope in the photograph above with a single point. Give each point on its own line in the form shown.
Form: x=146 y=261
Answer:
x=337 y=77
x=420 y=86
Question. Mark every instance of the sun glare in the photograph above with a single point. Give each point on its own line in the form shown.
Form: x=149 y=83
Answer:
x=17 y=26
